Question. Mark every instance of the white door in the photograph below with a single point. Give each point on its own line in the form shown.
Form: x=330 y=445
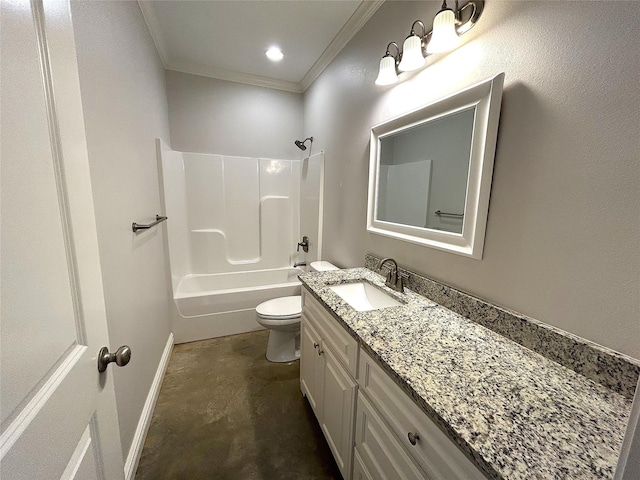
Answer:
x=58 y=414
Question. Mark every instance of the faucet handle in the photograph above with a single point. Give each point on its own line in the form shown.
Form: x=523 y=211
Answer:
x=304 y=244
x=400 y=281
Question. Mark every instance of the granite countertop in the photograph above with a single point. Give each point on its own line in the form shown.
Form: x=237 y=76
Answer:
x=516 y=413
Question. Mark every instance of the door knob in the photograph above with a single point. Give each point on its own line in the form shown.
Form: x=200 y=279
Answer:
x=121 y=357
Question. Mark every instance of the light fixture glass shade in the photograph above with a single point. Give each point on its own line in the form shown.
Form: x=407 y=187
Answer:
x=412 y=58
x=387 y=74
x=443 y=36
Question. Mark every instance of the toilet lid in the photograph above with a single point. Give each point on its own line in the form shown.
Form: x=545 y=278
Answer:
x=286 y=307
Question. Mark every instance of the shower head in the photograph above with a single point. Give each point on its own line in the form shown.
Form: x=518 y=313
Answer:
x=301 y=144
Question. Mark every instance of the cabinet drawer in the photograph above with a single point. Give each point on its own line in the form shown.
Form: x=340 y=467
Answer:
x=381 y=455
x=343 y=344
x=440 y=458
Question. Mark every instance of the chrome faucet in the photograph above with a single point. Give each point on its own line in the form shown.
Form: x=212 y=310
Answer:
x=394 y=279
x=299 y=264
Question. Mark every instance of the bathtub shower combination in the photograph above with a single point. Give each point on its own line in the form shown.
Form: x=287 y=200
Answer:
x=234 y=224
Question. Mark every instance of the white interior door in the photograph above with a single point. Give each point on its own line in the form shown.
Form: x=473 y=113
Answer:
x=58 y=414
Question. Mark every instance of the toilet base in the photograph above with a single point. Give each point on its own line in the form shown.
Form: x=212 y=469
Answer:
x=283 y=346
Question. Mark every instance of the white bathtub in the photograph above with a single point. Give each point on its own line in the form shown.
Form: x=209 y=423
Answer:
x=209 y=306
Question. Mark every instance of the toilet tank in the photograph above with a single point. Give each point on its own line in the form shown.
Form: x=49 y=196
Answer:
x=322 y=266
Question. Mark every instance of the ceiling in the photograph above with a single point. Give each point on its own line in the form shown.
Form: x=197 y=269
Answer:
x=228 y=39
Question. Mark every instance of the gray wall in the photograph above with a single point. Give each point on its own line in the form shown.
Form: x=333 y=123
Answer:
x=125 y=109
x=562 y=235
x=207 y=115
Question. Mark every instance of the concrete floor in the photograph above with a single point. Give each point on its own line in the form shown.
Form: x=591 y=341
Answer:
x=225 y=412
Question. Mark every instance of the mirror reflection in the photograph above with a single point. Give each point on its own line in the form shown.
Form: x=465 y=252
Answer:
x=423 y=173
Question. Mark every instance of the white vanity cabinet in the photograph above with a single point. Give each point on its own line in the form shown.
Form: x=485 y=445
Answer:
x=328 y=363
x=392 y=436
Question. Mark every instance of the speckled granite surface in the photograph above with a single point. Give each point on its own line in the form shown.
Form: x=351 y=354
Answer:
x=600 y=364
x=516 y=413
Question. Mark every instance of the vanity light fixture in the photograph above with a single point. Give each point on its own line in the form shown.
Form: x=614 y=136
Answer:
x=448 y=25
x=388 y=74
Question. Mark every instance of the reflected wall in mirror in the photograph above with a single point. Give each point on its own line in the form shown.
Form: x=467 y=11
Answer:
x=430 y=171
x=423 y=170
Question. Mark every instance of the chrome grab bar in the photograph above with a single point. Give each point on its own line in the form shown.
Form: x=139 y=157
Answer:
x=459 y=215
x=136 y=226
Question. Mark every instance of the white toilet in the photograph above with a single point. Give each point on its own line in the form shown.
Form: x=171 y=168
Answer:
x=282 y=317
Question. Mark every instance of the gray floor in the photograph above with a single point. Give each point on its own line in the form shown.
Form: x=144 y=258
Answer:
x=225 y=412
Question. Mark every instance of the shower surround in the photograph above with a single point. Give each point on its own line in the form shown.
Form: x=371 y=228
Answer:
x=234 y=223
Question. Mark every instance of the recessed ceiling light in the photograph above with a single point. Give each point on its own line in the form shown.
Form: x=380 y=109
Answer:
x=275 y=54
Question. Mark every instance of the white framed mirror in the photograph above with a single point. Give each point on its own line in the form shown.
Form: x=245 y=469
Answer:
x=430 y=171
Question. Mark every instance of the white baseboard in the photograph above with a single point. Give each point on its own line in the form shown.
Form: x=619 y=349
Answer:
x=131 y=464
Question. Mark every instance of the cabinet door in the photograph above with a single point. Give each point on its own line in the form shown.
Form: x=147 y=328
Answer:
x=310 y=365
x=338 y=403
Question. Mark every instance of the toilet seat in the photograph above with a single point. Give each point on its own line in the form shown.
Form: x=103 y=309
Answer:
x=288 y=324
x=283 y=308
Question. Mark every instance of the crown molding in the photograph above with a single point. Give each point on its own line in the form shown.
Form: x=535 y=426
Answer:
x=358 y=19
x=231 y=76
x=153 y=25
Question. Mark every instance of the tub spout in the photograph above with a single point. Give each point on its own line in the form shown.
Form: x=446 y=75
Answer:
x=299 y=264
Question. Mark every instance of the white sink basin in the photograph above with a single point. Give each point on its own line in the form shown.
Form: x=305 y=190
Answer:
x=363 y=296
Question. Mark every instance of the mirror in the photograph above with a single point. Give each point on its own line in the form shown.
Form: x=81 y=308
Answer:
x=430 y=171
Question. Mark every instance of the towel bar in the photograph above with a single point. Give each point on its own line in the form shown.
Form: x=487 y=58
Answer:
x=136 y=226
x=459 y=215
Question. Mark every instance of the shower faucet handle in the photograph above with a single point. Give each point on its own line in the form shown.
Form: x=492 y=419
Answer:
x=304 y=244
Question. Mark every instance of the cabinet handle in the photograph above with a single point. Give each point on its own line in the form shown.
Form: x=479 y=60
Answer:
x=413 y=438
x=315 y=345
x=320 y=352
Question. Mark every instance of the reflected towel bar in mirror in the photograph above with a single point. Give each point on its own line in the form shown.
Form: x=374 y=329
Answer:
x=136 y=226
x=459 y=215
